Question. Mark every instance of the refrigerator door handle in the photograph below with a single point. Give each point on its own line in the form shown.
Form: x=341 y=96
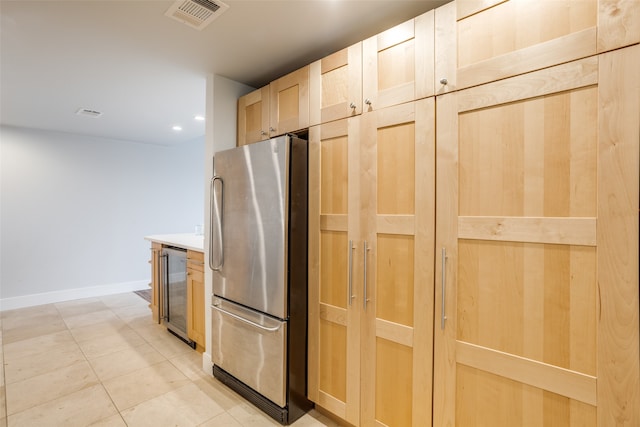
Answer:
x=242 y=319
x=216 y=212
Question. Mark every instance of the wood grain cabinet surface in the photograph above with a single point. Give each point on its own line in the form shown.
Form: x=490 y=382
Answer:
x=253 y=116
x=195 y=298
x=156 y=249
x=336 y=86
x=278 y=108
x=473 y=229
x=289 y=102
x=372 y=220
x=398 y=64
x=537 y=223
x=498 y=39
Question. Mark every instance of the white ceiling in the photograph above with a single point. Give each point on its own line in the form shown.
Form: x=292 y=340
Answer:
x=146 y=72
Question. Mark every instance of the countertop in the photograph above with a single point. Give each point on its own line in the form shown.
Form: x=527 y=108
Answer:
x=183 y=240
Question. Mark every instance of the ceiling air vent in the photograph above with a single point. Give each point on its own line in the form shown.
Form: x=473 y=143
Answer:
x=196 y=13
x=88 y=112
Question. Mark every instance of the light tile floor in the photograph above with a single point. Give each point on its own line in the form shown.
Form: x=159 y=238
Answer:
x=103 y=362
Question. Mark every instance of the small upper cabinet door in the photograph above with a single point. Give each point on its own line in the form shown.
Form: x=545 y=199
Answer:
x=398 y=64
x=289 y=101
x=499 y=39
x=253 y=116
x=336 y=86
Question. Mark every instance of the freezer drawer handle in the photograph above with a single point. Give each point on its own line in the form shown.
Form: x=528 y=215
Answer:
x=242 y=319
x=216 y=212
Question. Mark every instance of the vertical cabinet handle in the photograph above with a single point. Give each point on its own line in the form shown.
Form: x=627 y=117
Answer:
x=366 y=249
x=443 y=316
x=350 y=290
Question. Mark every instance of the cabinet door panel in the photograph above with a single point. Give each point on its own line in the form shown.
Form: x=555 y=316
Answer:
x=336 y=86
x=515 y=37
x=394 y=377
x=522 y=325
x=500 y=39
x=289 y=102
x=398 y=159
x=334 y=352
x=398 y=63
x=253 y=116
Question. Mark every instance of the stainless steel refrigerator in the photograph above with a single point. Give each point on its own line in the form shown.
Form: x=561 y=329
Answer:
x=258 y=254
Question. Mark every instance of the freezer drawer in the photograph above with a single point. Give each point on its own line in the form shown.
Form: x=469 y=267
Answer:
x=251 y=347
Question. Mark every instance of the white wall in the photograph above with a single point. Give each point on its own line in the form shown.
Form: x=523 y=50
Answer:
x=74 y=210
x=222 y=100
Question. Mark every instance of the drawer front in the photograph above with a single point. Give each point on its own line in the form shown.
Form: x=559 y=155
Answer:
x=251 y=347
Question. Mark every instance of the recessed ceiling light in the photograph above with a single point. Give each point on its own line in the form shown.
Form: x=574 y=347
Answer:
x=198 y=117
x=177 y=128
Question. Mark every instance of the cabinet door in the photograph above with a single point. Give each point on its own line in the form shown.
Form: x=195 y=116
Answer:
x=398 y=64
x=499 y=39
x=253 y=116
x=334 y=268
x=156 y=248
x=397 y=202
x=195 y=298
x=336 y=86
x=537 y=313
x=289 y=102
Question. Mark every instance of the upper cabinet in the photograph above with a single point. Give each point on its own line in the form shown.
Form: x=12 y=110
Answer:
x=275 y=109
x=289 y=102
x=336 y=86
x=253 y=116
x=498 y=39
x=398 y=64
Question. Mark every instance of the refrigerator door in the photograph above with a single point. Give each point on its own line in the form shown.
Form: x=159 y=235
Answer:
x=251 y=347
x=249 y=232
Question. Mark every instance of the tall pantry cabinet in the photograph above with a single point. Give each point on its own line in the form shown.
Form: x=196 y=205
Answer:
x=371 y=227
x=537 y=217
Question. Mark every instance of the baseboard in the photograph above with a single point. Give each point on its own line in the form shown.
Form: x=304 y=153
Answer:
x=71 y=294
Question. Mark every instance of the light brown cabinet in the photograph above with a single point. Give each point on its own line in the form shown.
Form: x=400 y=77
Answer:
x=276 y=109
x=156 y=249
x=335 y=274
x=498 y=39
x=504 y=289
x=253 y=116
x=372 y=195
x=336 y=86
x=539 y=305
x=398 y=64
x=196 y=299
x=289 y=102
